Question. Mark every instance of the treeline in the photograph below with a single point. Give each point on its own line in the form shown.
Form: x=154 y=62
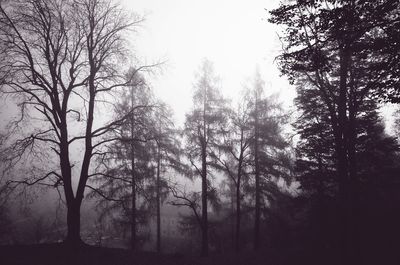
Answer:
x=241 y=148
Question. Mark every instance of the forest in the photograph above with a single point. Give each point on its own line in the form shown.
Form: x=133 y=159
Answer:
x=95 y=169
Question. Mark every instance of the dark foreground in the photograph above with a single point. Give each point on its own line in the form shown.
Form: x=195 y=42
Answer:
x=59 y=254
x=53 y=254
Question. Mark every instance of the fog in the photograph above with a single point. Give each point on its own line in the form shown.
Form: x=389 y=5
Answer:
x=199 y=132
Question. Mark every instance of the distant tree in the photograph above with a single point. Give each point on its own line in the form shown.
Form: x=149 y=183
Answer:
x=167 y=157
x=203 y=126
x=125 y=170
x=232 y=156
x=253 y=145
x=268 y=156
x=130 y=171
x=40 y=226
x=62 y=59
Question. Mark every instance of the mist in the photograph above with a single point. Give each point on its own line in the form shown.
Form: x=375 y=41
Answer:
x=187 y=132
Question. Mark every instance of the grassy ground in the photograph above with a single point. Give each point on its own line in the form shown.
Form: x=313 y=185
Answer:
x=44 y=254
x=58 y=254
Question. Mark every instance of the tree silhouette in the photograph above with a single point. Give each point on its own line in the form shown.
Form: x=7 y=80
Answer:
x=347 y=50
x=62 y=60
x=317 y=172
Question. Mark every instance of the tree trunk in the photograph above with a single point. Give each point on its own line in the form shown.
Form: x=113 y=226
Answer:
x=257 y=180
x=343 y=171
x=158 y=203
x=233 y=212
x=133 y=211
x=204 y=188
x=238 y=201
x=204 y=243
x=238 y=216
x=133 y=179
x=320 y=223
x=73 y=224
x=354 y=199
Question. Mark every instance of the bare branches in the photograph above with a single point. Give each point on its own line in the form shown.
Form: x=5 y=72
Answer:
x=38 y=180
x=97 y=191
x=131 y=77
x=183 y=199
x=59 y=57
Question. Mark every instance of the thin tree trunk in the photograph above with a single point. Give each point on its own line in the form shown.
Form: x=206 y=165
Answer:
x=320 y=224
x=133 y=187
x=238 y=217
x=343 y=158
x=158 y=202
x=204 y=243
x=257 y=180
x=204 y=188
x=354 y=199
x=238 y=201
x=133 y=210
x=233 y=212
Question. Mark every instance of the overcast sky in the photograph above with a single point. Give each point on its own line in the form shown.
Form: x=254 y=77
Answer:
x=235 y=35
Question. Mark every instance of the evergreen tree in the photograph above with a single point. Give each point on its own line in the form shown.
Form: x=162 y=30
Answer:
x=126 y=169
x=348 y=50
x=167 y=158
x=203 y=127
x=232 y=157
x=317 y=173
x=268 y=149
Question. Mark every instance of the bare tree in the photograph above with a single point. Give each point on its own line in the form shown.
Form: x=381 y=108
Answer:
x=181 y=197
x=62 y=61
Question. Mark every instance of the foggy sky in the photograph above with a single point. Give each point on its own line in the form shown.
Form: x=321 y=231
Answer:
x=235 y=35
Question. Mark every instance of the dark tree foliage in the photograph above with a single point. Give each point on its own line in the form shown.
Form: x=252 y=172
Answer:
x=377 y=170
x=348 y=51
x=315 y=148
x=317 y=30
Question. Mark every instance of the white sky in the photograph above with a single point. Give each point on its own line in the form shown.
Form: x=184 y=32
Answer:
x=234 y=34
